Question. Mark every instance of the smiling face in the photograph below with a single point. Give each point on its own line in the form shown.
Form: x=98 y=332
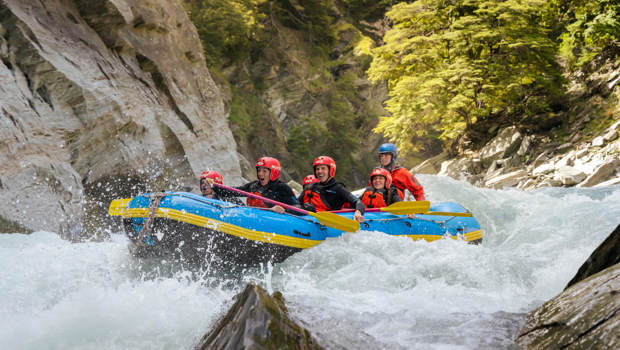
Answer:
x=378 y=182
x=321 y=172
x=205 y=187
x=385 y=159
x=262 y=174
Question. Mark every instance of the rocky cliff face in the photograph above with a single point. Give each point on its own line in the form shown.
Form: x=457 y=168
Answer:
x=99 y=90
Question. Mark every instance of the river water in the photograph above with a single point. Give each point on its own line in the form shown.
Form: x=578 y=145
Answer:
x=360 y=291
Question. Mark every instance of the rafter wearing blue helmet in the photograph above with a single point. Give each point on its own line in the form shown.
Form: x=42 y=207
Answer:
x=401 y=177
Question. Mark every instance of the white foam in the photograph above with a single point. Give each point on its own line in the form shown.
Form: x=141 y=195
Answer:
x=362 y=290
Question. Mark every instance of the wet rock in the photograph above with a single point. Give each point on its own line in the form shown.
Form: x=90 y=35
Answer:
x=502 y=146
x=584 y=316
x=549 y=182
x=564 y=147
x=598 y=141
x=258 y=321
x=605 y=255
x=526 y=145
x=527 y=184
x=566 y=160
x=611 y=182
x=569 y=176
x=431 y=166
x=506 y=180
x=458 y=168
x=543 y=169
x=540 y=159
x=601 y=174
x=611 y=135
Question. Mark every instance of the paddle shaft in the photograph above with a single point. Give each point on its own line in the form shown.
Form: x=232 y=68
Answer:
x=352 y=210
x=252 y=195
x=440 y=213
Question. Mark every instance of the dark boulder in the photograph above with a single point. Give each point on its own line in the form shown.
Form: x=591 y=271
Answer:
x=605 y=255
x=584 y=316
x=258 y=320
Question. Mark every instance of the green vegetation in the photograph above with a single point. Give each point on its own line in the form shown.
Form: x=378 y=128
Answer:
x=454 y=63
x=336 y=132
x=451 y=67
x=229 y=29
x=590 y=27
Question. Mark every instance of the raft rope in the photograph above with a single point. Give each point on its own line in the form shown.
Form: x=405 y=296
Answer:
x=154 y=200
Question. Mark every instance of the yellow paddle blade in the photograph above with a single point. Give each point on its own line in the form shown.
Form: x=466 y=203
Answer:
x=336 y=221
x=118 y=205
x=403 y=208
x=446 y=213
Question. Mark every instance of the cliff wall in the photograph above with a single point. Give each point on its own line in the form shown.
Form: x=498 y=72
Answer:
x=100 y=99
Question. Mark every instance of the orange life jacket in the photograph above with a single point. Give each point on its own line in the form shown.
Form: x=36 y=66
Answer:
x=373 y=198
x=315 y=199
x=254 y=202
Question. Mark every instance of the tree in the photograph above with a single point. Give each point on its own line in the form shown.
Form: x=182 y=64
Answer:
x=590 y=27
x=228 y=29
x=450 y=64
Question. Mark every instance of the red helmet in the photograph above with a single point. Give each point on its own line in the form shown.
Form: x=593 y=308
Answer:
x=381 y=172
x=272 y=164
x=309 y=180
x=214 y=175
x=325 y=160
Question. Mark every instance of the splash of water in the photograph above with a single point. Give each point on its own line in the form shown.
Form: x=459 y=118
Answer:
x=362 y=290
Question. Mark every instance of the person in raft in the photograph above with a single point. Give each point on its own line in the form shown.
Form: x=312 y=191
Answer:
x=308 y=180
x=401 y=177
x=380 y=191
x=267 y=185
x=327 y=194
x=207 y=179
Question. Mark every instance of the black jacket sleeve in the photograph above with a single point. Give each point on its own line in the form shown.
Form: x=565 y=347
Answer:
x=286 y=195
x=395 y=197
x=350 y=198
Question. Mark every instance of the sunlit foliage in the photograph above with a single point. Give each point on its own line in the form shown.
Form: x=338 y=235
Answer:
x=452 y=63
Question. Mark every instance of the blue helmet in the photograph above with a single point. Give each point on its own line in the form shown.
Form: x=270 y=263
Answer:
x=389 y=148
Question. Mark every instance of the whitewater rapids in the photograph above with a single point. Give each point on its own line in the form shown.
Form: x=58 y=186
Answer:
x=362 y=290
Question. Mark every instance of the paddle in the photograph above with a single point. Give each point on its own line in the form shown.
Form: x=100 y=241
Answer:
x=409 y=207
x=326 y=218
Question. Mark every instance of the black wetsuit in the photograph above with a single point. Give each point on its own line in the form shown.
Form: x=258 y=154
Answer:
x=333 y=195
x=276 y=190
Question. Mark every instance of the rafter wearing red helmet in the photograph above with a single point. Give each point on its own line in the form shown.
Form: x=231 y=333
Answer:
x=267 y=185
x=327 y=194
x=380 y=191
x=207 y=178
x=401 y=177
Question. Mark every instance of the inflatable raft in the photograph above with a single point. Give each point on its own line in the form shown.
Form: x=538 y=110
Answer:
x=194 y=228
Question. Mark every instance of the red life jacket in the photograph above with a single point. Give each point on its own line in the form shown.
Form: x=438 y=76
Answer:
x=373 y=198
x=315 y=199
x=253 y=202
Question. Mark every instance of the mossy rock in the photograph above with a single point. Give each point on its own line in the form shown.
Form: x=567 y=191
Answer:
x=258 y=320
